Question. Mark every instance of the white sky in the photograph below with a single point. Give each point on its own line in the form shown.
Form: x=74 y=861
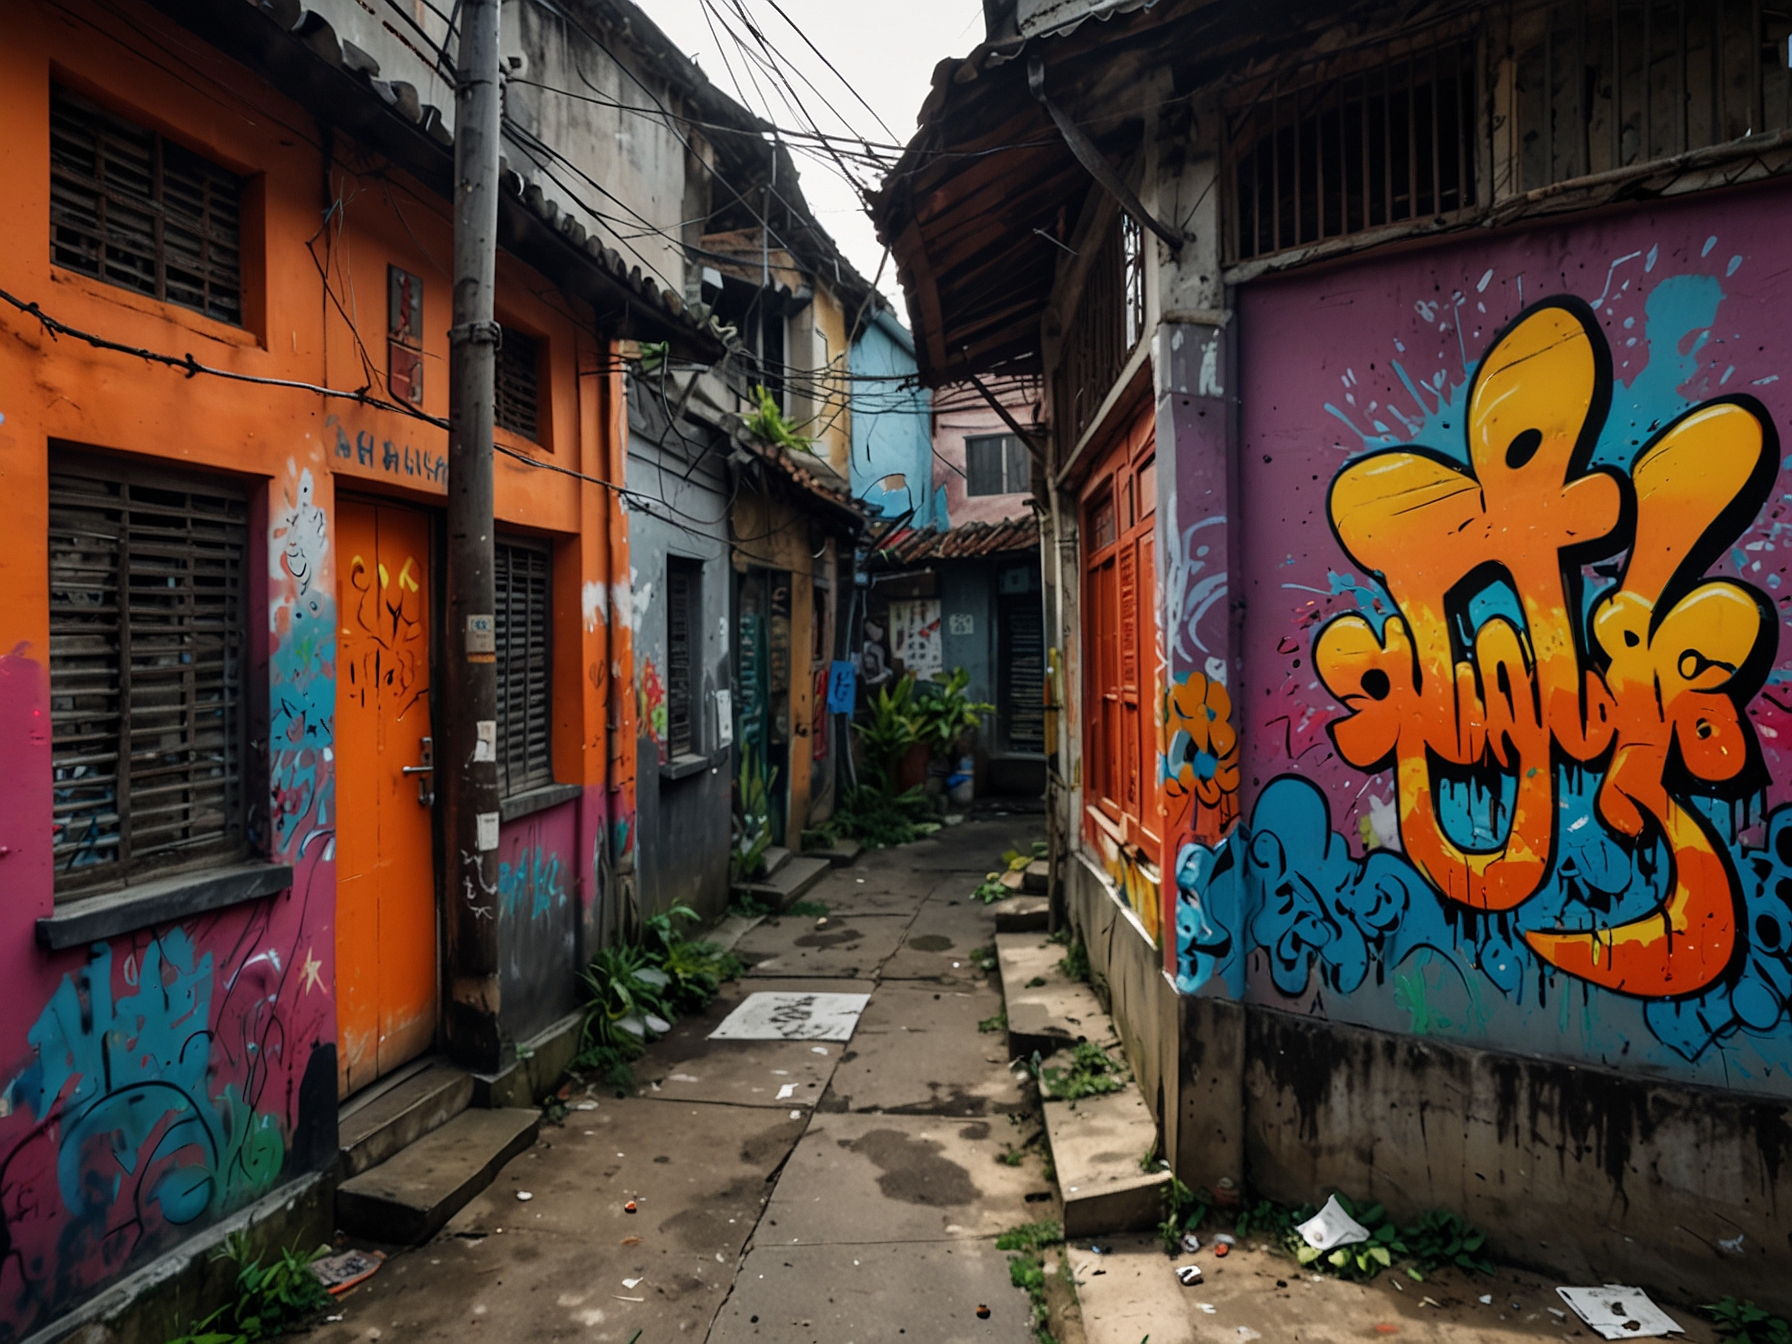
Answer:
x=887 y=53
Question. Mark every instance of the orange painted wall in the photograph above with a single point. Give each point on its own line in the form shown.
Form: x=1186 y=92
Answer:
x=258 y=978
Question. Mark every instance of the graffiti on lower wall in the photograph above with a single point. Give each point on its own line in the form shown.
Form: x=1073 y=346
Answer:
x=162 y=1080
x=1516 y=729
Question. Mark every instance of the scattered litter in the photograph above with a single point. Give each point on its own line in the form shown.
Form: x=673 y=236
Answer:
x=684 y=1078
x=343 y=1271
x=822 y=923
x=630 y=1284
x=1557 y=1312
x=1222 y=1249
x=524 y=1196
x=1431 y=1302
x=1487 y=1299
x=792 y=1017
x=786 y=1092
x=1245 y=1332
x=629 y=1207
x=629 y=1241
x=586 y=1105
x=982 y=1312
x=336 y=1317
x=1332 y=1227
x=1190 y=1242
x=1188 y=1275
x=1617 y=1312
x=1386 y=1328
x=796 y=1115
x=620 y=1298
x=1732 y=1244
x=1207 y=1307
x=821 y=1050
x=1097 y=1249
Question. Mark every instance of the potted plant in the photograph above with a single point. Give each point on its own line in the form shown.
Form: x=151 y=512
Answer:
x=892 y=734
x=947 y=719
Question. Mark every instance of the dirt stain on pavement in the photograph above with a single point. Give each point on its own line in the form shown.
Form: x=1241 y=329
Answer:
x=915 y=1170
x=930 y=942
x=829 y=938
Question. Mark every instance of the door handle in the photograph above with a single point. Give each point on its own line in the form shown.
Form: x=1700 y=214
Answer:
x=426 y=790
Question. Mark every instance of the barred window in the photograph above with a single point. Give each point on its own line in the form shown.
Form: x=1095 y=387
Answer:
x=1604 y=84
x=684 y=595
x=132 y=208
x=996 y=464
x=147 y=621
x=518 y=373
x=1321 y=153
x=525 y=709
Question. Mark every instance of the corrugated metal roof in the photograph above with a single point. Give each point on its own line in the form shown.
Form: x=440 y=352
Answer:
x=968 y=541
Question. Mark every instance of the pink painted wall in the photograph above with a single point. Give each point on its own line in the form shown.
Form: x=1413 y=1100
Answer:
x=951 y=427
x=1604 y=876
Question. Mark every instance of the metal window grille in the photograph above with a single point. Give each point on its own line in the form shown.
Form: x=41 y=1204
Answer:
x=1132 y=266
x=1022 y=635
x=1603 y=84
x=1095 y=343
x=1321 y=155
x=525 y=708
x=132 y=208
x=518 y=375
x=684 y=586
x=996 y=464
x=147 y=614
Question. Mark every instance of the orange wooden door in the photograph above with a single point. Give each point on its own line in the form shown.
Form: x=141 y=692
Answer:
x=385 y=867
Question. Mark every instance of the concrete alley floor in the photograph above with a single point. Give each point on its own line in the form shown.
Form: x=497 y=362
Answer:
x=797 y=1191
x=860 y=1205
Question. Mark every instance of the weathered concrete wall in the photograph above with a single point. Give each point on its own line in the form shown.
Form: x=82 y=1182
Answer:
x=538 y=918
x=1586 y=1172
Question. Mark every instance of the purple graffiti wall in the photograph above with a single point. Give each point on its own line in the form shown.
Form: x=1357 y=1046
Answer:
x=1512 y=540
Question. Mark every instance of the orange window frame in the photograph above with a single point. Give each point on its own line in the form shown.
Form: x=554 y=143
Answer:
x=1122 y=668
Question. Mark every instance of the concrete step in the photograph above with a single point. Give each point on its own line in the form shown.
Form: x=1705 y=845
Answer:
x=793 y=878
x=1013 y=880
x=407 y=1198
x=1052 y=1013
x=841 y=853
x=1131 y=1291
x=1023 y=914
x=1096 y=1144
x=1037 y=874
x=776 y=856
x=395 y=1119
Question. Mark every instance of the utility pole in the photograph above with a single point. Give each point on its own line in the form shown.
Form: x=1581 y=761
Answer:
x=468 y=763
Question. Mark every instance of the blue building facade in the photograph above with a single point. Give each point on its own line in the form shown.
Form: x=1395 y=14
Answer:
x=892 y=425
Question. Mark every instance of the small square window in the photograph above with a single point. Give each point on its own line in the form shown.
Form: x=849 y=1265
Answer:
x=996 y=464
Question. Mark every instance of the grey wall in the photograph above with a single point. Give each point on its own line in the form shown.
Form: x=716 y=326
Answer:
x=682 y=825
x=965 y=590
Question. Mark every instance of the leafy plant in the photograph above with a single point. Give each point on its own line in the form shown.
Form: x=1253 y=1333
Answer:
x=1440 y=1238
x=1012 y=1157
x=984 y=959
x=748 y=906
x=1267 y=1219
x=997 y=1023
x=1360 y=1260
x=990 y=890
x=767 y=423
x=626 y=1001
x=1091 y=1072
x=752 y=816
x=1026 y=1268
x=1183 y=1210
x=946 y=713
x=876 y=818
x=811 y=909
x=894 y=726
x=654 y=355
x=1075 y=962
x=1745 y=1322
x=270 y=1299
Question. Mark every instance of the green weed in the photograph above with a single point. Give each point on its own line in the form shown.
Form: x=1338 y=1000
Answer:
x=807 y=909
x=270 y=1299
x=1092 y=1071
x=1440 y=1238
x=1026 y=1268
x=1747 y=1323
x=997 y=1023
x=1075 y=962
x=1183 y=1212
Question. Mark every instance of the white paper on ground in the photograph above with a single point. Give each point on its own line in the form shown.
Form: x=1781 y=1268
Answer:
x=1616 y=1312
x=1331 y=1226
x=792 y=1017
